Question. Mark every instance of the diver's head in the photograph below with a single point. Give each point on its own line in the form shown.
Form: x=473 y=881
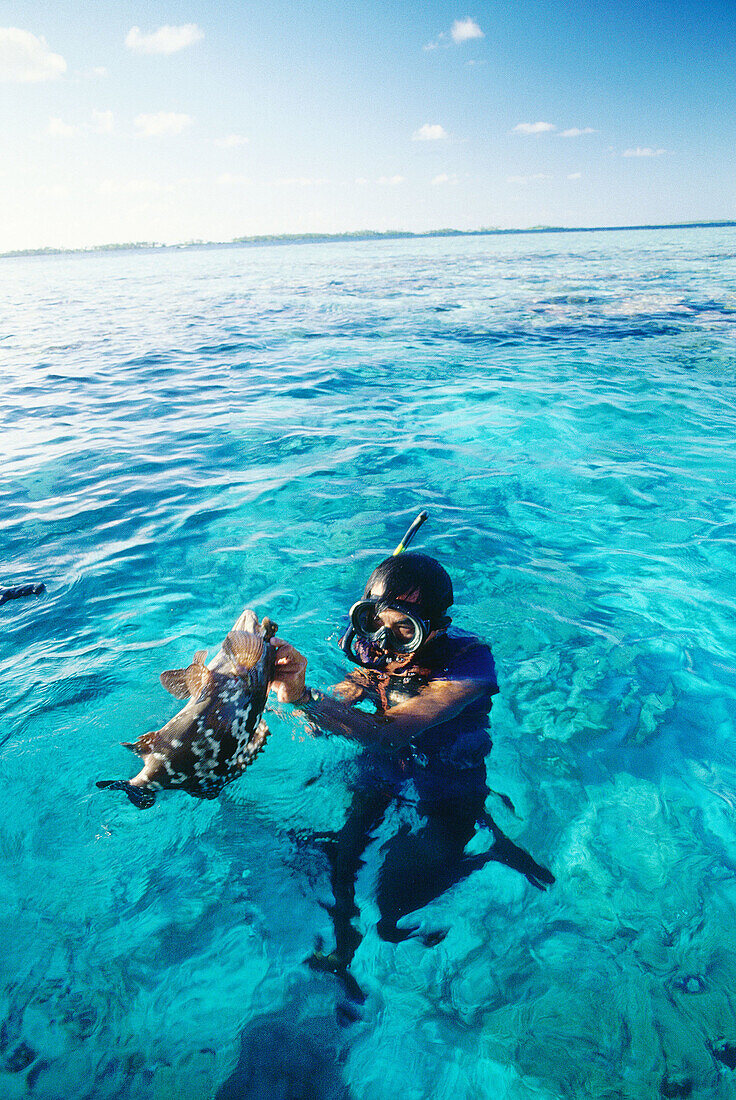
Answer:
x=414 y=579
x=404 y=606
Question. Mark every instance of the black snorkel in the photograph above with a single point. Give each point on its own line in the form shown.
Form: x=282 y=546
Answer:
x=417 y=523
x=346 y=642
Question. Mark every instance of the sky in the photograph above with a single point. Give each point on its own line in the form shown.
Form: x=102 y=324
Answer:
x=179 y=120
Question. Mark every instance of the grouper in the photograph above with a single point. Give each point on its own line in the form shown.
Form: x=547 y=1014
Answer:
x=220 y=730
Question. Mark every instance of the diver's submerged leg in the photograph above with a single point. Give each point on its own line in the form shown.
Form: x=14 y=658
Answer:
x=344 y=850
x=420 y=866
x=511 y=855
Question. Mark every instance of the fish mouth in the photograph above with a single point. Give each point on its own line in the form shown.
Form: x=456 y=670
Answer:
x=248 y=623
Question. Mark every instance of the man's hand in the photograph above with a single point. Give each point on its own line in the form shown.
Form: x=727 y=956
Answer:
x=289 y=670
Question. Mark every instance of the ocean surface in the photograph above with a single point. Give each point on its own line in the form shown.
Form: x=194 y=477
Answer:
x=188 y=433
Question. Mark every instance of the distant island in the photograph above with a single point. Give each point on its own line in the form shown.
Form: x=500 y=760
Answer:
x=358 y=235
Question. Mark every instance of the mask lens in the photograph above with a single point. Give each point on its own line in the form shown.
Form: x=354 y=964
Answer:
x=364 y=618
x=403 y=635
x=404 y=630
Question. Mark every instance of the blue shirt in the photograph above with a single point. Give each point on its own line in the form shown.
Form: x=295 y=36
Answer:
x=447 y=760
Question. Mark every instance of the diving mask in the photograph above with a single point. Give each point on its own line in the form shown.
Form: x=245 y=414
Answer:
x=406 y=635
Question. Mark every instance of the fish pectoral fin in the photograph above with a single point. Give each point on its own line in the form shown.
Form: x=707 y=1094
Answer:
x=243 y=649
x=199 y=679
x=175 y=682
x=143 y=745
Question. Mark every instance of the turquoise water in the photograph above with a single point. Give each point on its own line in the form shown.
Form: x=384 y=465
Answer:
x=190 y=433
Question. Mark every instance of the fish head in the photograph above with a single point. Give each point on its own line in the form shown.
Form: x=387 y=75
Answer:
x=247 y=649
x=248 y=623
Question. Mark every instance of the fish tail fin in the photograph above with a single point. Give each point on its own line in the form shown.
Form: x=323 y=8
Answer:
x=142 y=799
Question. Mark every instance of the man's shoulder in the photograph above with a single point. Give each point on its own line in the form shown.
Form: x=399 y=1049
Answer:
x=460 y=656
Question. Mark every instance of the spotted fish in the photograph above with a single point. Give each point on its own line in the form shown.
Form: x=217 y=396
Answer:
x=220 y=731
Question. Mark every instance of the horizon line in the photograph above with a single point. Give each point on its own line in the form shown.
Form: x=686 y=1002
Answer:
x=355 y=235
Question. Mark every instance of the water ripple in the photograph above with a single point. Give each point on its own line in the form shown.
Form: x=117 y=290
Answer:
x=188 y=433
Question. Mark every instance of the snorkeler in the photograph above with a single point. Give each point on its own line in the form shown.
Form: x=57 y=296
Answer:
x=18 y=591
x=425 y=743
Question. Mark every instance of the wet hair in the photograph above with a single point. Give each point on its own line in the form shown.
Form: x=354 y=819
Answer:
x=417 y=578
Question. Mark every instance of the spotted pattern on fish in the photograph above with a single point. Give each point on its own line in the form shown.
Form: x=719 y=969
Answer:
x=216 y=735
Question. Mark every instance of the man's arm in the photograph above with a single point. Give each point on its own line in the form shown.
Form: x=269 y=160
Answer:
x=439 y=701
x=353 y=689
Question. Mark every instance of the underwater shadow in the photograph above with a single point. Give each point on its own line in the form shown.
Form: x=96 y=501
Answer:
x=286 y=1059
x=419 y=863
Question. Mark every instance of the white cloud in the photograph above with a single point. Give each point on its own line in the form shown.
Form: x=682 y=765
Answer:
x=161 y=123
x=534 y=128
x=99 y=72
x=528 y=179
x=575 y=176
x=575 y=132
x=464 y=29
x=229 y=179
x=26 y=59
x=52 y=190
x=382 y=181
x=166 y=40
x=300 y=181
x=429 y=132
x=443 y=178
x=103 y=122
x=58 y=128
x=231 y=141
x=644 y=151
x=134 y=187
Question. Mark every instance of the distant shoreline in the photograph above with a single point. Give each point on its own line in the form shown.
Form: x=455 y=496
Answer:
x=359 y=235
